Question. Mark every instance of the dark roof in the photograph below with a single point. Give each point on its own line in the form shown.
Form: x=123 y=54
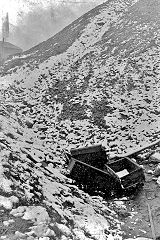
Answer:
x=9 y=45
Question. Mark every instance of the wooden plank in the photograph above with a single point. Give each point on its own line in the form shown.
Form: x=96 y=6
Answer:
x=71 y=164
x=132 y=152
x=96 y=169
x=85 y=150
x=109 y=170
x=151 y=222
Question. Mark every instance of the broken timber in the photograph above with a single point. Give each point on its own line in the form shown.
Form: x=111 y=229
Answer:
x=130 y=153
x=90 y=169
x=151 y=222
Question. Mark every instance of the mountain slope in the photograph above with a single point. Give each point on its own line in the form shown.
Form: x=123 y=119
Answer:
x=101 y=85
x=63 y=40
x=109 y=66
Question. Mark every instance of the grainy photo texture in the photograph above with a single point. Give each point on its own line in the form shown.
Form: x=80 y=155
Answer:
x=79 y=119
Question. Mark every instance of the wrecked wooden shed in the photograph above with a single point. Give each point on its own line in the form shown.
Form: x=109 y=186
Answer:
x=92 y=171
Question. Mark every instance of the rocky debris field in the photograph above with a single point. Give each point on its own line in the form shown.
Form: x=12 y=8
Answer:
x=35 y=129
x=37 y=201
x=96 y=89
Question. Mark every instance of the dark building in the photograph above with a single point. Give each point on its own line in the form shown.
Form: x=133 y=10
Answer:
x=8 y=49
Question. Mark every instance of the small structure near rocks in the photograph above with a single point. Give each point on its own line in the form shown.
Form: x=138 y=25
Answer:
x=8 y=49
x=90 y=168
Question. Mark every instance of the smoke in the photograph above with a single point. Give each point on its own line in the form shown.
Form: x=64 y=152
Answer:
x=41 y=23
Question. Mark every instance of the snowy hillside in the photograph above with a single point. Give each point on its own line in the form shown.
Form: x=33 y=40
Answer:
x=97 y=81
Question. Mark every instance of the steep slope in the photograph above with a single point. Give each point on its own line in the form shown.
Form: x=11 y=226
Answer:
x=63 y=40
x=101 y=85
x=110 y=66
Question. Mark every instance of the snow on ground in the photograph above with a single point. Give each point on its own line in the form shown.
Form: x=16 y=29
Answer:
x=48 y=185
x=81 y=97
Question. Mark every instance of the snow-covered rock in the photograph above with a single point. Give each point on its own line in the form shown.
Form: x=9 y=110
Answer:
x=37 y=214
x=98 y=83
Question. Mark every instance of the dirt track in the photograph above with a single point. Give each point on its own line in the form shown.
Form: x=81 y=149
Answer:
x=137 y=224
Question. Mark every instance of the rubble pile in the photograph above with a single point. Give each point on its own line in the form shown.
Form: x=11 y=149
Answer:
x=95 y=90
x=35 y=189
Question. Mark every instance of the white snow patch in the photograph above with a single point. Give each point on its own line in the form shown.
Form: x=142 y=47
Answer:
x=8 y=202
x=37 y=214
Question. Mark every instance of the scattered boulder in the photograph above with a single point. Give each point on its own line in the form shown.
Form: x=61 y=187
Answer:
x=158 y=181
x=150 y=172
x=37 y=214
x=18 y=211
x=155 y=157
x=62 y=229
x=29 y=123
x=157 y=170
x=6 y=202
x=20 y=235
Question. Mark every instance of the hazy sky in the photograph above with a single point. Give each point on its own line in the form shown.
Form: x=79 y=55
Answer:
x=33 y=21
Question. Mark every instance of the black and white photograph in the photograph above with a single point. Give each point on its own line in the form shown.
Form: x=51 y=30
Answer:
x=79 y=119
